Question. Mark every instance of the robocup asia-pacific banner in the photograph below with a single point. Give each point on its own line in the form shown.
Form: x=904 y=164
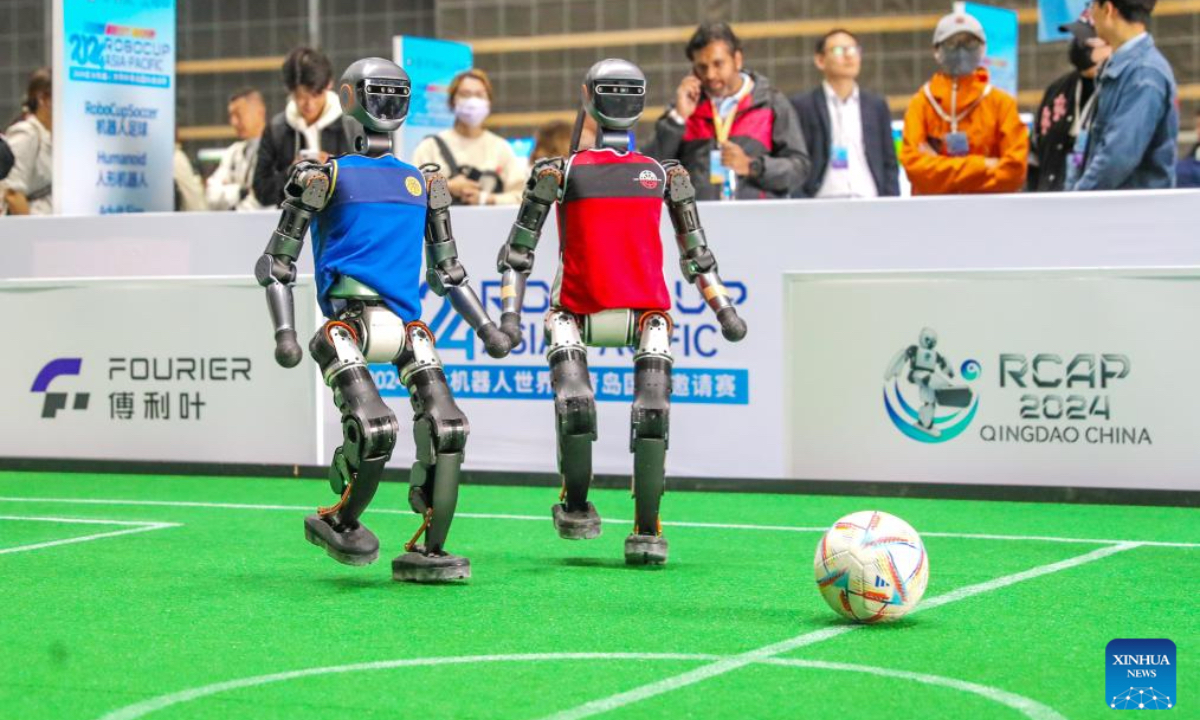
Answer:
x=114 y=106
x=1023 y=377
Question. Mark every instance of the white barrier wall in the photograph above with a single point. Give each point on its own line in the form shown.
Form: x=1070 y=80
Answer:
x=731 y=419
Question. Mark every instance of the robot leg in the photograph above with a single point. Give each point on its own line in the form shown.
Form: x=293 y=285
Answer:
x=928 y=385
x=575 y=421
x=649 y=433
x=440 y=430
x=369 y=434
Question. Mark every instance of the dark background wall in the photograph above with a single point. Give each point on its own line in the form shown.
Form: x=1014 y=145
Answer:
x=536 y=85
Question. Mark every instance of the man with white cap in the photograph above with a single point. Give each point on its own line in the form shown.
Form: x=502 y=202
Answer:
x=961 y=134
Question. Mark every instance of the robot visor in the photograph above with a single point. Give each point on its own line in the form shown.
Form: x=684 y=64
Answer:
x=384 y=100
x=619 y=100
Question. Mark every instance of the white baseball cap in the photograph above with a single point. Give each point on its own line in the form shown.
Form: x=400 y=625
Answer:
x=956 y=23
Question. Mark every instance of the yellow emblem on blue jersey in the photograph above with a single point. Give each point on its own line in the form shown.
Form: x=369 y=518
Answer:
x=413 y=185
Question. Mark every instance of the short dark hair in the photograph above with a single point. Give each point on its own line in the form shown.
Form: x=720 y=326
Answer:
x=307 y=68
x=245 y=93
x=824 y=39
x=709 y=33
x=1135 y=11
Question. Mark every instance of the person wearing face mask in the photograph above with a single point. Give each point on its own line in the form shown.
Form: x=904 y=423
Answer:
x=481 y=166
x=1058 y=120
x=961 y=134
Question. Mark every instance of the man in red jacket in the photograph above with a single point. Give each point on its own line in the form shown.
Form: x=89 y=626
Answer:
x=737 y=136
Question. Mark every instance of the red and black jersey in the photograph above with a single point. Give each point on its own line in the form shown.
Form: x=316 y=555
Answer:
x=612 y=255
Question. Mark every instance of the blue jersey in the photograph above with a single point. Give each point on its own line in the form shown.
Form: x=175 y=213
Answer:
x=373 y=230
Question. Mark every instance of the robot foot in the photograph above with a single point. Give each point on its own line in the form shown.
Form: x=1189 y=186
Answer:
x=578 y=524
x=645 y=550
x=930 y=431
x=418 y=567
x=349 y=547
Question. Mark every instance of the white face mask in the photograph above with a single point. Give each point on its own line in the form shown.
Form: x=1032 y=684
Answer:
x=472 y=111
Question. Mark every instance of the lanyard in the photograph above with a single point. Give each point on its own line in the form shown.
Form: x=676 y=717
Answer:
x=839 y=121
x=723 y=125
x=954 y=117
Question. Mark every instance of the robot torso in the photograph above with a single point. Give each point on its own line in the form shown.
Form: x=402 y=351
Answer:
x=372 y=230
x=612 y=255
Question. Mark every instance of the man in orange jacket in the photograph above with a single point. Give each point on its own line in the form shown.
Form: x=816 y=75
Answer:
x=961 y=134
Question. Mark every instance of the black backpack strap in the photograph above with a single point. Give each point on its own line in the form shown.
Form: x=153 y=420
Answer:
x=451 y=164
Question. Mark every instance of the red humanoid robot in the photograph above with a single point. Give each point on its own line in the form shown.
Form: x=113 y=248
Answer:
x=610 y=292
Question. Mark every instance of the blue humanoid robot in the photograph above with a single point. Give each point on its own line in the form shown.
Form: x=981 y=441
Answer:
x=370 y=216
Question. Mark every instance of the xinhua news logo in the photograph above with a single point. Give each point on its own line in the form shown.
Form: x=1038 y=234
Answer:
x=1140 y=675
x=55 y=401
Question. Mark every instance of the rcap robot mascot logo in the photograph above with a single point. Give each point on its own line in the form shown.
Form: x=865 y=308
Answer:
x=936 y=385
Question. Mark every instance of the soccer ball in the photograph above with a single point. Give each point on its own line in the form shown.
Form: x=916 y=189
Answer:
x=871 y=567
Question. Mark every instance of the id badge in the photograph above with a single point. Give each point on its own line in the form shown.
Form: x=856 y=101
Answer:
x=716 y=171
x=957 y=144
x=839 y=157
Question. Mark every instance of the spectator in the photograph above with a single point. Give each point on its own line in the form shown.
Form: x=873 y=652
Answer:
x=551 y=140
x=309 y=128
x=480 y=166
x=736 y=135
x=1059 y=118
x=1129 y=139
x=6 y=157
x=848 y=129
x=189 y=191
x=1187 y=173
x=28 y=187
x=961 y=134
x=230 y=185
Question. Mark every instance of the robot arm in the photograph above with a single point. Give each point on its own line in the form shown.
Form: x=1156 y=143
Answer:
x=696 y=260
x=446 y=275
x=306 y=193
x=897 y=362
x=945 y=365
x=516 y=256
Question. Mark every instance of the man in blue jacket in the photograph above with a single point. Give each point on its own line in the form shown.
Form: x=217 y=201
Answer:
x=1133 y=125
x=848 y=129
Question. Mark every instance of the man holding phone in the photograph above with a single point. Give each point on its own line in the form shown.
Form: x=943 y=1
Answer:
x=737 y=136
x=309 y=128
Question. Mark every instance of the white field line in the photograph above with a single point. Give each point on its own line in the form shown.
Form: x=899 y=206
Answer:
x=544 y=518
x=721 y=667
x=131 y=528
x=1027 y=707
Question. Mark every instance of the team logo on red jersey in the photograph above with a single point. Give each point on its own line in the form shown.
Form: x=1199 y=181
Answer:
x=648 y=179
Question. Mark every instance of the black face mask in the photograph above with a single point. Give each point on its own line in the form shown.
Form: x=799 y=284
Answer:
x=1081 y=55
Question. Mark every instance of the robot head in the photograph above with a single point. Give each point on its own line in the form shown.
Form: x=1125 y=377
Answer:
x=374 y=93
x=615 y=94
x=928 y=338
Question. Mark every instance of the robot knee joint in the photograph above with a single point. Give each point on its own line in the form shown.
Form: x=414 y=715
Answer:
x=373 y=435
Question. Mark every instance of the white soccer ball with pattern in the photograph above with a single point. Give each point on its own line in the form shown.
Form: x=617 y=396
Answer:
x=871 y=567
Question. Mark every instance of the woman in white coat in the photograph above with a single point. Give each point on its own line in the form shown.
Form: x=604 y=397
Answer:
x=27 y=189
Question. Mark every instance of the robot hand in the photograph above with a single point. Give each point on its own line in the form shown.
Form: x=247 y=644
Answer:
x=495 y=341
x=276 y=275
x=510 y=325
x=732 y=326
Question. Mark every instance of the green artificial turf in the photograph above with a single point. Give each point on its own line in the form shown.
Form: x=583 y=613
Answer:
x=88 y=628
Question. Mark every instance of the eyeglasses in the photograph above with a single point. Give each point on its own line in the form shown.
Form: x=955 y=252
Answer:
x=844 y=51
